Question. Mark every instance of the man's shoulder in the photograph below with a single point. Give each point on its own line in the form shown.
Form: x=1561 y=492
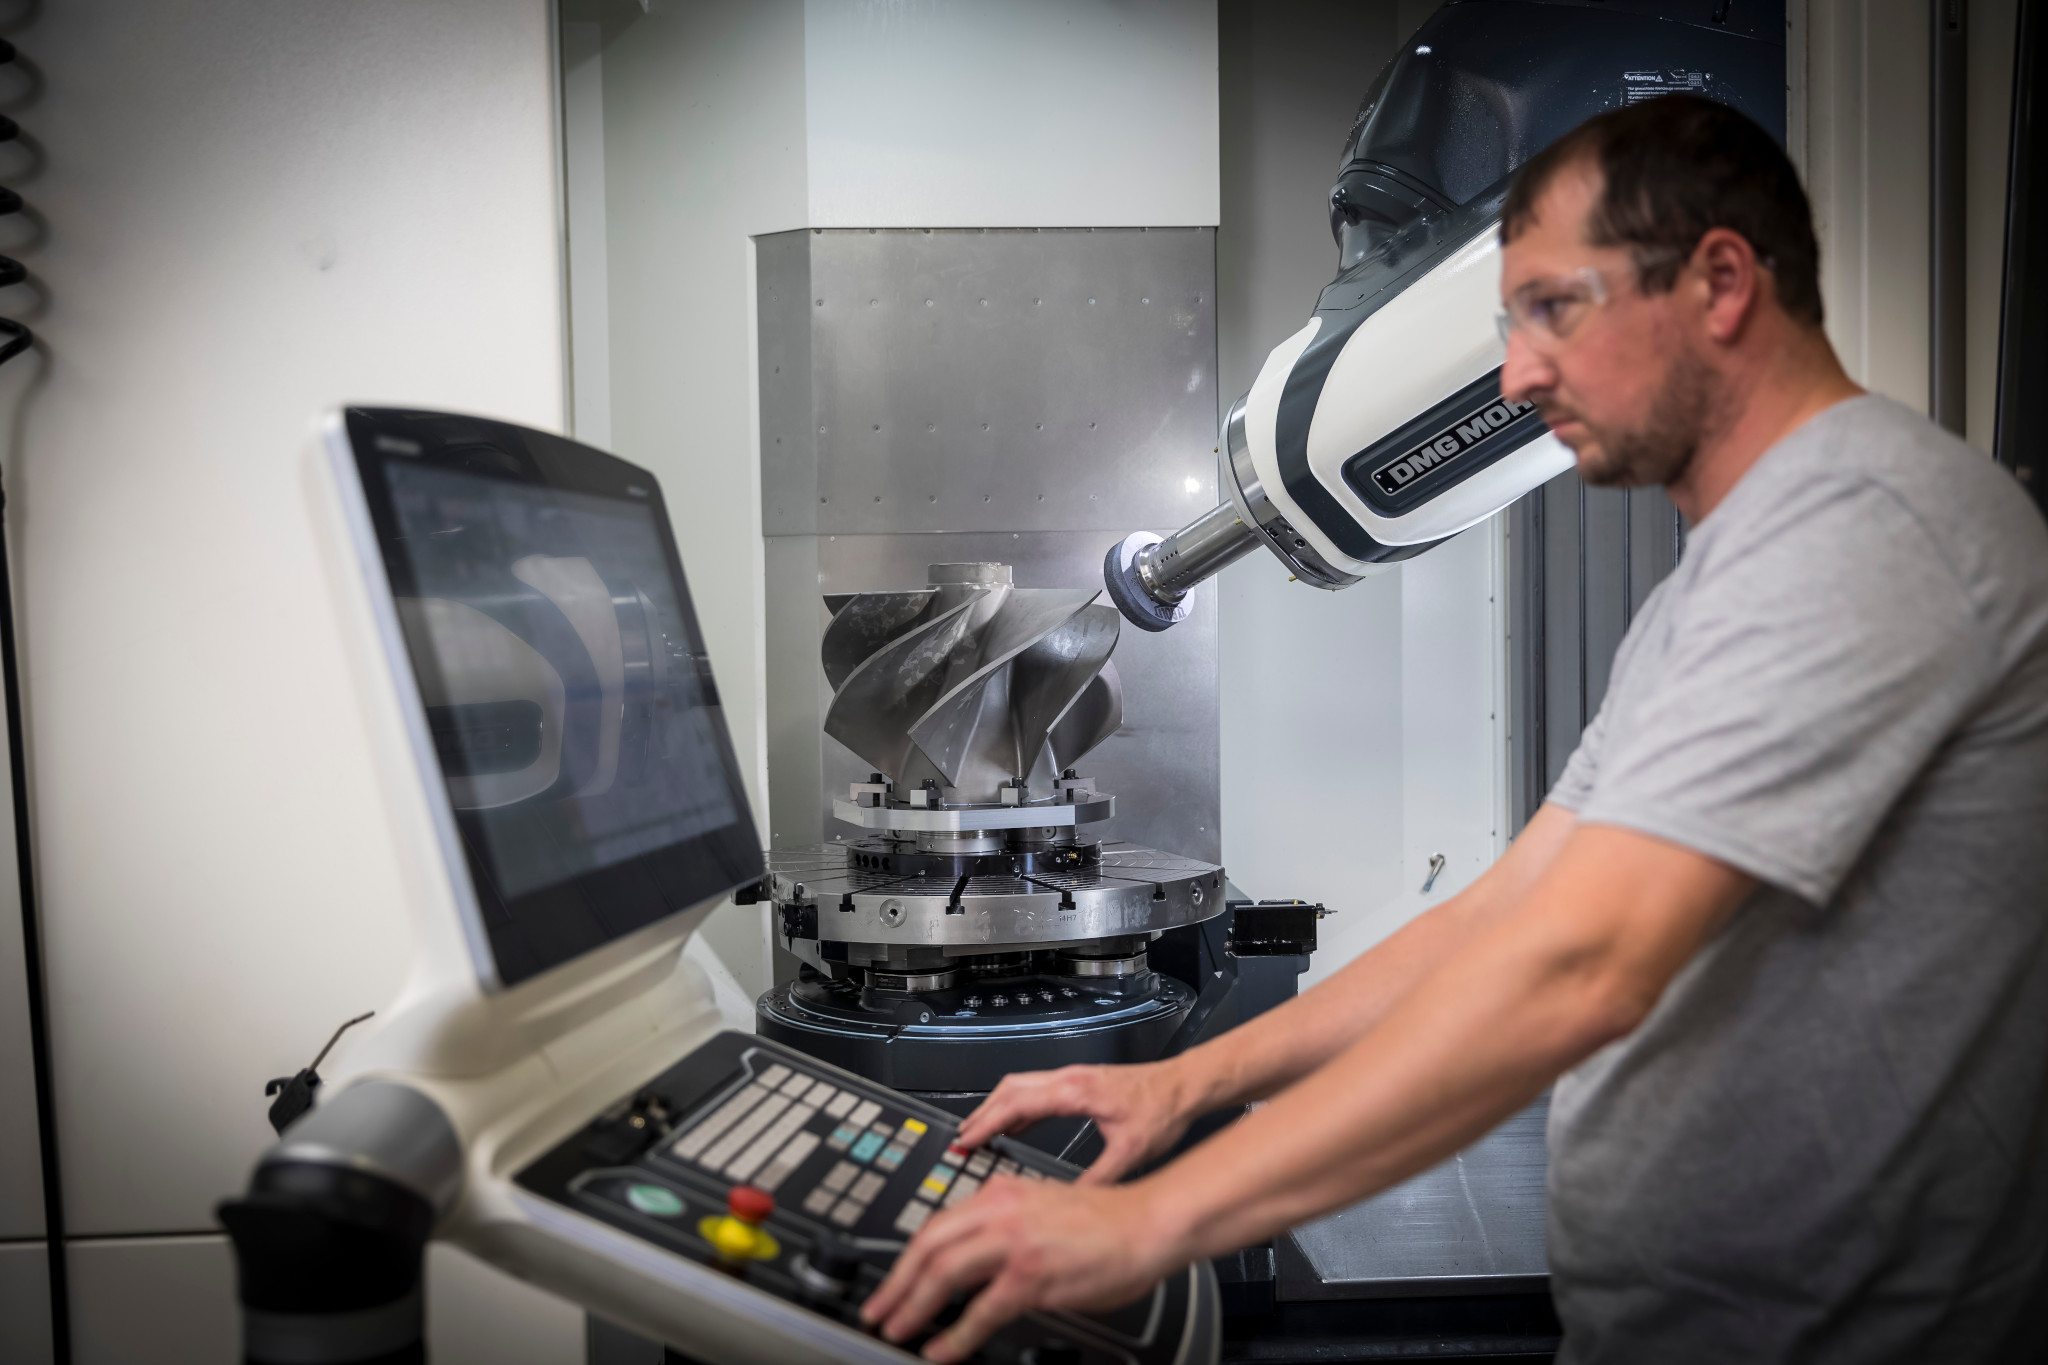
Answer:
x=1872 y=451
x=1871 y=489
x=1872 y=443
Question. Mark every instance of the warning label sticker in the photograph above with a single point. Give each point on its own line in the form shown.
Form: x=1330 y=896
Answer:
x=1637 y=86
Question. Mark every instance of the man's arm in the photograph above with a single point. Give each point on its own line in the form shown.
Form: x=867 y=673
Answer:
x=1142 y=1109
x=1269 y=1053
x=1577 y=962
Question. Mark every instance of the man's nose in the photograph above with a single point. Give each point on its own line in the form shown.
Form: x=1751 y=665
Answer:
x=1524 y=371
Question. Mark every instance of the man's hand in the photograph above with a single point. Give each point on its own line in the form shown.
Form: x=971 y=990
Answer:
x=1035 y=1244
x=1139 y=1110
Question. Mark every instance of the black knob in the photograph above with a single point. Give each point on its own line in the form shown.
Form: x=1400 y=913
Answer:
x=834 y=1257
x=1055 y=1352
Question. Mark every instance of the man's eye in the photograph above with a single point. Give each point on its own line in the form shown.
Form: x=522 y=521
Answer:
x=1553 y=310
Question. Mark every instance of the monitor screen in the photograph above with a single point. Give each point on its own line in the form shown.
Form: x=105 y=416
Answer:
x=569 y=704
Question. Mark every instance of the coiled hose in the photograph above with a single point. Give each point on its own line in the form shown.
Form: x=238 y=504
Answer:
x=18 y=337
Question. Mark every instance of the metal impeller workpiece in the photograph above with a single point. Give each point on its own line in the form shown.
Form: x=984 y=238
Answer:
x=972 y=683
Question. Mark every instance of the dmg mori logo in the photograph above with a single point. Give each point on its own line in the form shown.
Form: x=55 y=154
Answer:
x=1448 y=444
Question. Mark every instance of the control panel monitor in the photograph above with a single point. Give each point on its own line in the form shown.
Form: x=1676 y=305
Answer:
x=555 y=681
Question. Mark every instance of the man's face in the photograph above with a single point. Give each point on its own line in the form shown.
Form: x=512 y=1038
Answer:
x=1623 y=385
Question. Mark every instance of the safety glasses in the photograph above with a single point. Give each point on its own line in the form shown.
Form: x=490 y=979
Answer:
x=1549 y=311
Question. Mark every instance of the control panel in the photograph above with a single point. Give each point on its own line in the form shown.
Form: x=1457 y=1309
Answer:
x=804 y=1182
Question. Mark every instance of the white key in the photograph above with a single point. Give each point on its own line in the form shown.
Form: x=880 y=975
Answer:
x=765 y=1146
x=912 y=1218
x=819 y=1201
x=867 y=1187
x=821 y=1094
x=847 y=1213
x=842 y=1102
x=865 y=1115
x=718 y=1121
x=963 y=1190
x=839 y=1177
x=772 y=1077
x=796 y=1085
x=791 y=1157
x=743 y=1132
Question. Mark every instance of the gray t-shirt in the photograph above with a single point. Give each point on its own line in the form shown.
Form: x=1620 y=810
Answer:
x=1829 y=1140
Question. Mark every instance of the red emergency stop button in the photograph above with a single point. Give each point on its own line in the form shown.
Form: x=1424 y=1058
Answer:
x=750 y=1204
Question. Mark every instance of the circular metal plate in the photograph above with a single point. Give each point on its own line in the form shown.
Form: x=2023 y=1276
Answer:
x=962 y=1049
x=1050 y=815
x=1133 y=890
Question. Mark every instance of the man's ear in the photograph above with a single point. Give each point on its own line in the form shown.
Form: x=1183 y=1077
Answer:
x=1726 y=264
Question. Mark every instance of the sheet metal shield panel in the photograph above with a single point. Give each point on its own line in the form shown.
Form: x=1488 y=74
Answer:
x=1473 y=1224
x=1033 y=429
x=986 y=380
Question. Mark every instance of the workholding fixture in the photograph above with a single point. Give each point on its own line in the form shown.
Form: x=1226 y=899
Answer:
x=971 y=928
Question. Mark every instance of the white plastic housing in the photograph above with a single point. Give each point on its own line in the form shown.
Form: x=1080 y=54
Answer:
x=1428 y=342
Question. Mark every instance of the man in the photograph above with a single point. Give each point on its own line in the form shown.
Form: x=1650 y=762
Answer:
x=1779 y=935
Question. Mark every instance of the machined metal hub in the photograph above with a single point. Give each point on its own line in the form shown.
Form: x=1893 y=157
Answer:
x=880 y=892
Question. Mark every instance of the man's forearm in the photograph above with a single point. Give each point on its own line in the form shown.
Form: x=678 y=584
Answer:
x=1264 y=1056
x=1475 y=1040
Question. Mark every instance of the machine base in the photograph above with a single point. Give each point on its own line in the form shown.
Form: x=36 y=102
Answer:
x=936 y=1043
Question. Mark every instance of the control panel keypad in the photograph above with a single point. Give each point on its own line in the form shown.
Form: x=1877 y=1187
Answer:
x=768 y=1131
x=805 y=1187
x=770 y=1128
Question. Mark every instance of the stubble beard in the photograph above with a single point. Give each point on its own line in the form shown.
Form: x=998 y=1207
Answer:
x=1662 y=448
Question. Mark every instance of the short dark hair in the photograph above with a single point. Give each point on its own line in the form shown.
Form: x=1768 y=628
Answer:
x=1675 y=167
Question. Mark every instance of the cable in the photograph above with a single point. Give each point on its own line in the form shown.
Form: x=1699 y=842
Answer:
x=18 y=339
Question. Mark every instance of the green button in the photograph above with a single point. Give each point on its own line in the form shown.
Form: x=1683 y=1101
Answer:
x=654 y=1199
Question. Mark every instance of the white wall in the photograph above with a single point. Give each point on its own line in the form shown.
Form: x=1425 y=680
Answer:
x=254 y=208
x=1363 y=732
x=1061 y=113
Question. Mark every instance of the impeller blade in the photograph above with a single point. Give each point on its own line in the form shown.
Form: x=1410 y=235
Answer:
x=1049 y=677
x=864 y=622
x=968 y=719
x=1092 y=717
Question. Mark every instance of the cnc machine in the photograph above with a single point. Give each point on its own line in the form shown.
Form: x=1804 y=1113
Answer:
x=553 y=1090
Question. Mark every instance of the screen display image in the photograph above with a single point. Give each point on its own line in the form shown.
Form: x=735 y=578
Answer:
x=569 y=702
